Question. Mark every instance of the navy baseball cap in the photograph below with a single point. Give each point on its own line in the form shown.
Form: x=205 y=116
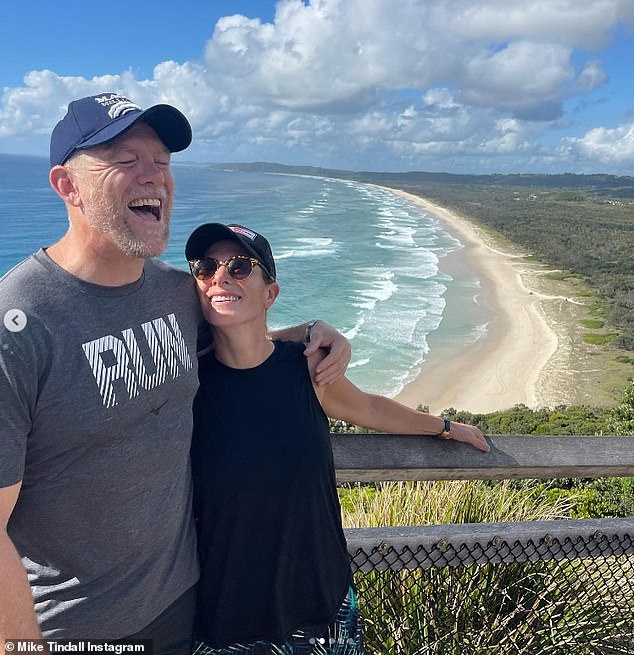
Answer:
x=95 y=120
x=204 y=236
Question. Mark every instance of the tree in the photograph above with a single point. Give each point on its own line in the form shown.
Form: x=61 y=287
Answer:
x=621 y=420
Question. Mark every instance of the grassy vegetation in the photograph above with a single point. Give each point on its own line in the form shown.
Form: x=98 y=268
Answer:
x=592 y=324
x=599 y=339
x=451 y=501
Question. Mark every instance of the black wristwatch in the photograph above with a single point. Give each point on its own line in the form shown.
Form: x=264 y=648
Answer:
x=309 y=328
x=445 y=434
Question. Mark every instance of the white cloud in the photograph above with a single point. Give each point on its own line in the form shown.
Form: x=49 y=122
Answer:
x=38 y=105
x=591 y=77
x=521 y=75
x=578 y=23
x=610 y=147
x=441 y=98
x=330 y=80
x=334 y=53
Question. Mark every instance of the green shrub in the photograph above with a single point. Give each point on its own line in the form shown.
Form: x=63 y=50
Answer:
x=599 y=339
x=592 y=323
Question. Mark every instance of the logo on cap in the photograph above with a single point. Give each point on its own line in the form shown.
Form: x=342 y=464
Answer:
x=118 y=105
x=249 y=234
x=122 y=108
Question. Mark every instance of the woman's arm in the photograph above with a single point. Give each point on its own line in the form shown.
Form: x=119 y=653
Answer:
x=343 y=400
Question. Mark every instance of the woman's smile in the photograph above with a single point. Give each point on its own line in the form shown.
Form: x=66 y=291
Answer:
x=224 y=298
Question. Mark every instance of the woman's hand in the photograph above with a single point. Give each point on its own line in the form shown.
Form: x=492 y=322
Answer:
x=468 y=434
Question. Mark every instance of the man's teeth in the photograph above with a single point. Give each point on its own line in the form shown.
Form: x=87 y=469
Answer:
x=224 y=298
x=141 y=202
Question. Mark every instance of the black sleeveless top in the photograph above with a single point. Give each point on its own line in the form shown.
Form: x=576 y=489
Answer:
x=271 y=545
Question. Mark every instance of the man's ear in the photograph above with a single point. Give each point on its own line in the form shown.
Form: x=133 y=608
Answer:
x=272 y=291
x=64 y=185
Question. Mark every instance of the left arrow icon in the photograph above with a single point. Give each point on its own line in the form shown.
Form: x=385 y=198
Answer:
x=15 y=320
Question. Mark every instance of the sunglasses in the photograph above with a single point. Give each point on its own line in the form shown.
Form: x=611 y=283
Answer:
x=238 y=266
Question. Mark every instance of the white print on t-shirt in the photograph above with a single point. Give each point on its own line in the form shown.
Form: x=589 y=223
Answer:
x=119 y=358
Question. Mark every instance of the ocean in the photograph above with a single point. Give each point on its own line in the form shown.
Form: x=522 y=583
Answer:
x=365 y=260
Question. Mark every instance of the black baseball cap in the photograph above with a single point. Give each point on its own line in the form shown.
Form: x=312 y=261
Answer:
x=204 y=236
x=95 y=120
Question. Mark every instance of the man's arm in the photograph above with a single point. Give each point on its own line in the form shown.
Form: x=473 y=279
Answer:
x=17 y=614
x=318 y=334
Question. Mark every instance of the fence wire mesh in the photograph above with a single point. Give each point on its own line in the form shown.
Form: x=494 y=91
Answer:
x=559 y=592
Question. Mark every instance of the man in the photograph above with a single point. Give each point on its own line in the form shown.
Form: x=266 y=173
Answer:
x=97 y=376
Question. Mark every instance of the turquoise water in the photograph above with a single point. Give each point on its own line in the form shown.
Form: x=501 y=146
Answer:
x=357 y=256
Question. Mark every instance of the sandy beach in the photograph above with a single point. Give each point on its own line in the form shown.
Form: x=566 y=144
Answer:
x=506 y=366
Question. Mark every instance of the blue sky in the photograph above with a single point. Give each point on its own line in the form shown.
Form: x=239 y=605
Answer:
x=465 y=86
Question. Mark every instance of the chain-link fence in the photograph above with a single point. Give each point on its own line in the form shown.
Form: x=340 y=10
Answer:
x=538 y=588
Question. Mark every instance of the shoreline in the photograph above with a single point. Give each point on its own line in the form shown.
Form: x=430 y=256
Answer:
x=506 y=366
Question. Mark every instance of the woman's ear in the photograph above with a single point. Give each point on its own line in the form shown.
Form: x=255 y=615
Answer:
x=271 y=291
x=62 y=182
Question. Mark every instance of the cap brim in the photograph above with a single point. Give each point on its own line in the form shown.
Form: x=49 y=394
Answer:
x=206 y=235
x=169 y=123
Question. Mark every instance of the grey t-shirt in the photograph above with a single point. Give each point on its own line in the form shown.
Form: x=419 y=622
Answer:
x=95 y=419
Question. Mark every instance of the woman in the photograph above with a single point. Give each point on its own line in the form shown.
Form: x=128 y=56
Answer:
x=275 y=570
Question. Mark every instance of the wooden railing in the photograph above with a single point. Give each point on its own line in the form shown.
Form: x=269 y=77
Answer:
x=376 y=457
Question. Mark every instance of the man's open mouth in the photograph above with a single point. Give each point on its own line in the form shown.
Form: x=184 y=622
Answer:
x=147 y=208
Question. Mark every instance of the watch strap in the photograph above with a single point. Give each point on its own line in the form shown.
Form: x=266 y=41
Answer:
x=445 y=434
x=309 y=329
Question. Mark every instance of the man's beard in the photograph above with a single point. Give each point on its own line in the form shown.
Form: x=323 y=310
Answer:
x=111 y=219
